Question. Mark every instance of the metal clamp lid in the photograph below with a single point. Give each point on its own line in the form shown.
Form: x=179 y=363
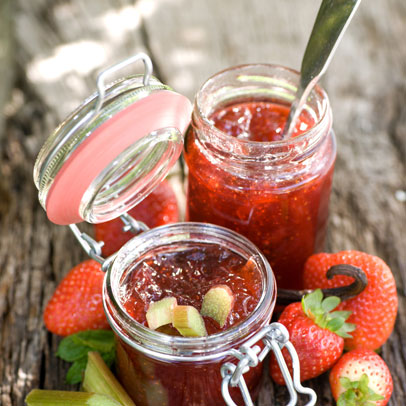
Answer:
x=113 y=150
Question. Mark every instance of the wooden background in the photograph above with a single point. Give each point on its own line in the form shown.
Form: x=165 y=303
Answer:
x=50 y=52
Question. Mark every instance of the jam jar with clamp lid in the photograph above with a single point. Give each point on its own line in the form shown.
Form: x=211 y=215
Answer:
x=100 y=162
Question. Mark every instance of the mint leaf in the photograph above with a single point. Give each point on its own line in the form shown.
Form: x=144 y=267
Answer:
x=75 y=347
x=70 y=351
x=108 y=358
x=97 y=340
x=76 y=371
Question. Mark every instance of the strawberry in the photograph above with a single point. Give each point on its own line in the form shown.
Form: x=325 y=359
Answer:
x=316 y=333
x=77 y=304
x=158 y=208
x=361 y=378
x=373 y=310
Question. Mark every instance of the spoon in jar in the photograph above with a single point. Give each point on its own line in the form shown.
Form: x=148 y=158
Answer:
x=331 y=22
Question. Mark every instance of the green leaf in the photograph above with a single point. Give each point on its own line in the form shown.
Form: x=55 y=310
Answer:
x=375 y=396
x=330 y=303
x=341 y=313
x=109 y=357
x=319 y=311
x=312 y=301
x=363 y=383
x=75 y=347
x=335 y=324
x=357 y=392
x=345 y=329
x=75 y=372
x=345 y=382
x=70 y=351
x=97 y=340
x=347 y=398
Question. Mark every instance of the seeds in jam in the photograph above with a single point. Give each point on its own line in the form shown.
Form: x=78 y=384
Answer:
x=282 y=208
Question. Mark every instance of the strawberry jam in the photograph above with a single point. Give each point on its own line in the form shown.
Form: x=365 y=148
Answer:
x=244 y=176
x=187 y=275
x=184 y=260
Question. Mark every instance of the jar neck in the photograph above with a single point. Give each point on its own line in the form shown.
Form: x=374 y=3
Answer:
x=258 y=82
x=193 y=349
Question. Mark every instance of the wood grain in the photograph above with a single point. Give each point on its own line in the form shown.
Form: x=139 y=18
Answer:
x=59 y=48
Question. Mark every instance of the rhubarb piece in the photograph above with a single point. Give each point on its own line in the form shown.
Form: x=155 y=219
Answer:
x=99 y=379
x=39 y=397
x=188 y=321
x=160 y=313
x=218 y=303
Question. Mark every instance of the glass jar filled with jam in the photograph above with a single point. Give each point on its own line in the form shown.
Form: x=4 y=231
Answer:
x=246 y=176
x=185 y=261
x=189 y=303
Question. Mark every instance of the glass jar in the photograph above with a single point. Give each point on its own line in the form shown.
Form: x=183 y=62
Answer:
x=275 y=193
x=158 y=369
x=106 y=157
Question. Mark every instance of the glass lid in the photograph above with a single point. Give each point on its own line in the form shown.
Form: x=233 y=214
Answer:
x=113 y=150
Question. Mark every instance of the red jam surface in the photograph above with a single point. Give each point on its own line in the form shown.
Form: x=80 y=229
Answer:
x=257 y=121
x=186 y=274
x=285 y=214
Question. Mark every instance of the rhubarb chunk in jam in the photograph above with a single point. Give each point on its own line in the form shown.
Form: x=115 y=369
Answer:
x=187 y=276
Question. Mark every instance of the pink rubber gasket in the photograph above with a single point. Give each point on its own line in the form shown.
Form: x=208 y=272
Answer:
x=156 y=111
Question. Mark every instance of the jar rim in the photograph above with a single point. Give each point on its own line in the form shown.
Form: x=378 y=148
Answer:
x=191 y=349
x=317 y=92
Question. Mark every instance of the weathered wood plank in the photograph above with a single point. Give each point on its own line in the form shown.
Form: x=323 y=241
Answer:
x=65 y=44
x=6 y=56
x=60 y=47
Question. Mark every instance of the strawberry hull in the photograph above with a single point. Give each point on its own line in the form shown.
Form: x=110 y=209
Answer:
x=373 y=310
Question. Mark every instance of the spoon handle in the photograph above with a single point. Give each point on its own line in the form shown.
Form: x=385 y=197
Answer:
x=331 y=22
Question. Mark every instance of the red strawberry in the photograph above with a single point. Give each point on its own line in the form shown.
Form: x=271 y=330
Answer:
x=374 y=310
x=77 y=304
x=158 y=208
x=315 y=332
x=361 y=378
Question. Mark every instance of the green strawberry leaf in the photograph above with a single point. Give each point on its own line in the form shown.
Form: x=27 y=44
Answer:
x=341 y=313
x=335 y=324
x=330 y=303
x=320 y=311
x=357 y=392
x=312 y=302
x=374 y=396
x=345 y=382
x=74 y=348
x=345 y=329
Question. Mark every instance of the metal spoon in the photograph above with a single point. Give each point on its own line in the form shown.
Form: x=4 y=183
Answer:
x=331 y=22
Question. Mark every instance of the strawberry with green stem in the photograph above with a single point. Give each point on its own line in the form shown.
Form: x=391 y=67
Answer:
x=373 y=310
x=361 y=378
x=317 y=333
